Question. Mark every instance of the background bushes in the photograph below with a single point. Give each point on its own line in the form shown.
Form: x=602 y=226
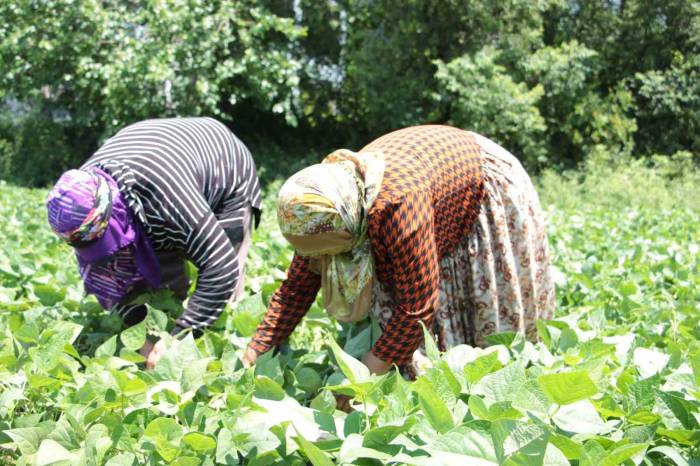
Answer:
x=555 y=81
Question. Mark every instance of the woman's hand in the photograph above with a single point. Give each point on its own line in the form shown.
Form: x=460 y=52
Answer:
x=342 y=402
x=374 y=364
x=249 y=357
x=153 y=352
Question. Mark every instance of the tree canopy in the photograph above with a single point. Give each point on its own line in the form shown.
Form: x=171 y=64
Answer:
x=553 y=80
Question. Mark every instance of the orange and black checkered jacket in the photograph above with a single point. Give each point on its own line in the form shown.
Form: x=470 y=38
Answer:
x=430 y=197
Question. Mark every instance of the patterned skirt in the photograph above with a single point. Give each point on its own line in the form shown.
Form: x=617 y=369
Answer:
x=497 y=279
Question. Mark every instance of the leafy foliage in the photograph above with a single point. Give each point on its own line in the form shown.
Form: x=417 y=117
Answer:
x=614 y=380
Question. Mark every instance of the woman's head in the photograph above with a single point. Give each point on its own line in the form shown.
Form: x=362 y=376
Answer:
x=319 y=210
x=87 y=210
x=322 y=211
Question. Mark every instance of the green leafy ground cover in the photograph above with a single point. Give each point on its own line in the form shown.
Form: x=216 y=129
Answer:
x=615 y=379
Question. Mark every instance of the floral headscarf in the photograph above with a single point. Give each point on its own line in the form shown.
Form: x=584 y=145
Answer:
x=322 y=211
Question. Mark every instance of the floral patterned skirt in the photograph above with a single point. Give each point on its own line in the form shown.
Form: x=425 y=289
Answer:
x=497 y=279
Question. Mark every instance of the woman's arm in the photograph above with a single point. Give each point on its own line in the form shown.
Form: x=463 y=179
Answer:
x=211 y=251
x=409 y=251
x=287 y=307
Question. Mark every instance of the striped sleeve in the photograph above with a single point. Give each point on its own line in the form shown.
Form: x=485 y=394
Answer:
x=212 y=253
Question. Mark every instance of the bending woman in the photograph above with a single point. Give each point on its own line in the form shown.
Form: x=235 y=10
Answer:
x=156 y=194
x=427 y=224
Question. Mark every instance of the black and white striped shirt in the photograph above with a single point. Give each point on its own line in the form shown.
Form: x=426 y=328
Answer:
x=186 y=179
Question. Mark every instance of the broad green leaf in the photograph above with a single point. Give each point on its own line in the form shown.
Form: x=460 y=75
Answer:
x=226 y=452
x=28 y=439
x=354 y=370
x=570 y=448
x=134 y=337
x=580 y=418
x=670 y=453
x=122 y=459
x=471 y=444
x=353 y=449
x=179 y=355
x=431 y=348
x=316 y=456
x=503 y=338
x=567 y=387
x=432 y=405
x=269 y=365
x=682 y=436
x=622 y=453
x=199 y=441
x=592 y=454
x=649 y=361
x=502 y=384
x=165 y=434
x=519 y=443
x=186 y=461
x=308 y=379
x=267 y=388
x=531 y=398
x=554 y=457
x=289 y=410
x=51 y=452
x=108 y=348
x=482 y=366
x=379 y=437
x=354 y=423
x=324 y=402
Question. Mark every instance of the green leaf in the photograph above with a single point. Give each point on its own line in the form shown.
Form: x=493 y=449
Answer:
x=354 y=423
x=432 y=405
x=28 y=439
x=622 y=453
x=567 y=387
x=199 y=442
x=122 y=459
x=268 y=365
x=165 y=433
x=308 y=379
x=51 y=452
x=49 y=295
x=592 y=454
x=531 y=398
x=354 y=370
x=649 y=361
x=431 y=348
x=267 y=388
x=467 y=444
x=108 y=348
x=324 y=402
x=482 y=366
x=502 y=384
x=352 y=450
x=503 y=338
x=380 y=437
x=519 y=443
x=670 y=453
x=570 y=448
x=581 y=418
x=186 y=461
x=134 y=337
x=317 y=456
x=226 y=452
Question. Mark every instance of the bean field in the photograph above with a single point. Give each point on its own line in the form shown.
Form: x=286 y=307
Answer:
x=614 y=379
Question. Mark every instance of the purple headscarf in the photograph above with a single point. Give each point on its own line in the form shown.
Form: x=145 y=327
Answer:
x=115 y=257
